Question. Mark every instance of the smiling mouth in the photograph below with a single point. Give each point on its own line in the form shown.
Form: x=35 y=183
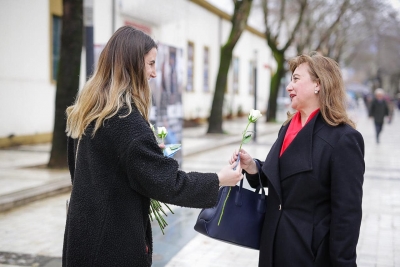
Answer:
x=291 y=96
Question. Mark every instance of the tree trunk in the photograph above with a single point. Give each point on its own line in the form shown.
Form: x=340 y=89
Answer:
x=68 y=77
x=279 y=53
x=215 y=119
x=274 y=87
x=239 y=22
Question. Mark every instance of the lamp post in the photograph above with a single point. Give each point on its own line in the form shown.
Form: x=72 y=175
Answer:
x=88 y=23
x=255 y=92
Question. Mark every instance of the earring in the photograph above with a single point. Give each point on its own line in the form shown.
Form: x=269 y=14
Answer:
x=316 y=91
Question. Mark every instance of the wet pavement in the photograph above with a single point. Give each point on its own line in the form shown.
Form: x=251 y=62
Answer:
x=35 y=230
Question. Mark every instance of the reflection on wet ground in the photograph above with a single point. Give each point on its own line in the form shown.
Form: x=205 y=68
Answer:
x=177 y=234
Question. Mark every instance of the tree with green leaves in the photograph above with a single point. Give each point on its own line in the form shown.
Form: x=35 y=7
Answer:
x=67 y=77
x=239 y=23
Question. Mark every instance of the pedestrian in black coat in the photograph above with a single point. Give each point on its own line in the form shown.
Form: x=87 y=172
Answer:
x=116 y=164
x=378 y=110
x=314 y=173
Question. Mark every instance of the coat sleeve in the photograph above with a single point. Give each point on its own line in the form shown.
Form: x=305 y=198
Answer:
x=253 y=180
x=152 y=174
x=347 y=177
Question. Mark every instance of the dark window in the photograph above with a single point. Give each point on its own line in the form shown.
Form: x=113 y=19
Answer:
x=56 y=45
x=190 y=66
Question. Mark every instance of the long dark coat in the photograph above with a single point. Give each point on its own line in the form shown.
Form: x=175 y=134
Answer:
x=314 y=197
x=378 y=110
x=117 y=172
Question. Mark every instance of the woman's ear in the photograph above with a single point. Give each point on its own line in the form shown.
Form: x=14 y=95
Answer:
x=317 y=87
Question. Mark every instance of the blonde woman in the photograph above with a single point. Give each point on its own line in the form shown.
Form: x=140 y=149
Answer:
x=314 y=172
x=116 y=164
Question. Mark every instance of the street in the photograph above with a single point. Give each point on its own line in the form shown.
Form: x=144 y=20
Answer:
x=38 y=228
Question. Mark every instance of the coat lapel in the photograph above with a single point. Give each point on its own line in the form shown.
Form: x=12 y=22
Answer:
x=298 y=155
x=271 y=165
x=296 y=158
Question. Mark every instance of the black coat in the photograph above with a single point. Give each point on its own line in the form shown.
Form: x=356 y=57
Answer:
x=378 y=110
x=117 y=172
x=314 y=208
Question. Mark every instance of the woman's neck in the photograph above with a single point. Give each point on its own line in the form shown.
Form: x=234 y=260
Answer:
x=305 y=114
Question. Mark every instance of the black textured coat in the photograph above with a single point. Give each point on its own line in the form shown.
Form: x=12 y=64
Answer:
x=117 y=172
x=314 y=208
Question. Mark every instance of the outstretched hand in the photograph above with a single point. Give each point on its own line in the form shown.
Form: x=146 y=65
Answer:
x=246 y=161
x=228 y=176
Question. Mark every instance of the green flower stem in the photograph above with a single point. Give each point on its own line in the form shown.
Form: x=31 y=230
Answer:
x=223 y=207
x=243 y=136
x=241 y=143
x=156 y=209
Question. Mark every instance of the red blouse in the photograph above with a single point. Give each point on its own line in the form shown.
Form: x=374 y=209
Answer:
x=295 y=127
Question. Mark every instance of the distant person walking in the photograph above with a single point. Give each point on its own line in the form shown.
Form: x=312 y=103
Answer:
x=378 y=110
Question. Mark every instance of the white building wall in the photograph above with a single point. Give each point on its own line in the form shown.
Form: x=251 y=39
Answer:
x=203 y=29
x=26 y=91
x=181 y=21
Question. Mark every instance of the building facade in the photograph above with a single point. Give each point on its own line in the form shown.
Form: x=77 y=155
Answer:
x=192 y=33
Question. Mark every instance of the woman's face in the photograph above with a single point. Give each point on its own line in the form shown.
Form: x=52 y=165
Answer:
x=150 y=63
x=302 y=89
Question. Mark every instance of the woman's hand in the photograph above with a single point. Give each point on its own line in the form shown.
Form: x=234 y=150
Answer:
x=161 y=145
x=246 y=161
x=229 y=177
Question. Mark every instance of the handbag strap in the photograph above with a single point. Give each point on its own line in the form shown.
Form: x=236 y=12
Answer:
x=260 y=187
x=259 y=177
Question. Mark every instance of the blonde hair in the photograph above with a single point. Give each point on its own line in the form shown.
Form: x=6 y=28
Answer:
x=119 y=80
x=332 y=95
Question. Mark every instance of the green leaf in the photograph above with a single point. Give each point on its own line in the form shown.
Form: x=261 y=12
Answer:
x=246 y=139
x=173 y=147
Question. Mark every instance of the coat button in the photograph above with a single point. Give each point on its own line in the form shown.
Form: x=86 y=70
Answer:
x=280 y=207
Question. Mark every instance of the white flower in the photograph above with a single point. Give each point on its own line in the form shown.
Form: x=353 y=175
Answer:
x=152 y=127
x=162 y=132
x=254 y=115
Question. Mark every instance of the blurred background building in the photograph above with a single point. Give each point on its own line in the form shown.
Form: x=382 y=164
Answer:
x=189 y=34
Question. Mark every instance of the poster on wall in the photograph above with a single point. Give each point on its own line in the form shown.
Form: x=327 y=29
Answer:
x=167 y=110
x=166 y=89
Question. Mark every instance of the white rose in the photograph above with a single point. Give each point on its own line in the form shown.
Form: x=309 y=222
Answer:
x=254 y=115
x=162 y=132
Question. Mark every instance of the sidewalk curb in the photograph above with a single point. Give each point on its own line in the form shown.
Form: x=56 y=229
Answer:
x=26 y=196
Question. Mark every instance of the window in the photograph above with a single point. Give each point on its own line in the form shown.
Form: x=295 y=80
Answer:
x=251 y=77
x=236 y=75
x=190 y=67
x=206 y=70
x=56 y=45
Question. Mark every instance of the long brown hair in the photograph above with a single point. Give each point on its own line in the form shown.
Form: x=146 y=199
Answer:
x=332 y=95
x=118 y=80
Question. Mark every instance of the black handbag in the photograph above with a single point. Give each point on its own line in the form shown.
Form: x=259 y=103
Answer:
x=238 y=216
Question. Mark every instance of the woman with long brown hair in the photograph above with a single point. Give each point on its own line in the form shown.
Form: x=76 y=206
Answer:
x=116 y=164
x=314 y=172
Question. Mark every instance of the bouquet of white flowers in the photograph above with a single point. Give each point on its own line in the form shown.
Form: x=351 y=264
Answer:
x=155 y=205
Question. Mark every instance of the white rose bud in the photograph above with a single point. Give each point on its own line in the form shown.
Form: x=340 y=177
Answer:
x=254 y=115
x=162 y=132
